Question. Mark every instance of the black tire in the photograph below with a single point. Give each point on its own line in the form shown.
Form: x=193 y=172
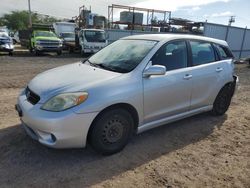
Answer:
x=31 y=50
x=222 y=101
x=37 y=53
x=111 y=131
x=59 y=52
x=71 y=50
x=10 y=53
x=82 y=53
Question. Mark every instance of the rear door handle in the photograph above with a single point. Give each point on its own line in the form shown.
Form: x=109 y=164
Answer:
x=188 y=76
x=219 y=69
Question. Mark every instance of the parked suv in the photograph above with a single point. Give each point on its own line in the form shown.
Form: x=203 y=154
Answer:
x=132 y=85
x=6 y=43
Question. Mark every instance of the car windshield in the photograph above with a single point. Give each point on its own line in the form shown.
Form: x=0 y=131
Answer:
x=68 y=35
x=123 y=55
x=44 y=34
x=95 y=36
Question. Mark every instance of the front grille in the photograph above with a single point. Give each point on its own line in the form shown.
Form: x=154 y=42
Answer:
x=31 y=96
x=49 y=43
x=4 y=42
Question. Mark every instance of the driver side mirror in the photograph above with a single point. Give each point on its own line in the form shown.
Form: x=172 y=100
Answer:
x=154 y=70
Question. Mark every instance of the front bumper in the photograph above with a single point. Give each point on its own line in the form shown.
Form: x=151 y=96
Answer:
x=48 y=48
x=54 y=129
x=91 y=51
x=7 y=48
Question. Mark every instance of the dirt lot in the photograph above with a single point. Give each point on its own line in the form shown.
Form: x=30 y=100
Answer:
x=195 y=152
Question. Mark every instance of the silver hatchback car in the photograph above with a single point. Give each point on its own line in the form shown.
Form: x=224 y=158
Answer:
x=134 y=84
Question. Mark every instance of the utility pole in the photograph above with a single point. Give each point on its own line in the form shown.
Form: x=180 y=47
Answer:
x=231 y=20
x=30 y=20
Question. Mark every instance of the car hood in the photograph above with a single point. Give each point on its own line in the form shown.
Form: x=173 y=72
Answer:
x=68 y=78
x=48 y=38
x=69 y=39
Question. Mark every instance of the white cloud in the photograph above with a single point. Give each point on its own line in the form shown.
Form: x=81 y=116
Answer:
x=172 y=5
x=222 y=14
x=218 y=15
x=195 y=8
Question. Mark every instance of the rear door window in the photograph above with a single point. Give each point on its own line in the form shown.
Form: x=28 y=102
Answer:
x=202 y=53
x=172 y=55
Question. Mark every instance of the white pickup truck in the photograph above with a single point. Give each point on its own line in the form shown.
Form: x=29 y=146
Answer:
x=92 y=40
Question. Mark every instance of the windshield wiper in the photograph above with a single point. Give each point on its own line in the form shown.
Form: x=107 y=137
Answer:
x=114 y=69
x=103 y=66
x=90 y=63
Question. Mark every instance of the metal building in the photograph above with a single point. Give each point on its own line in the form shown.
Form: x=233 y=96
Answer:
x=237 y=38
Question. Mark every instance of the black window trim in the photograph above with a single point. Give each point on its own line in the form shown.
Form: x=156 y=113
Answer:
x=187 y=48
x=216 y=51
x=228 y=51
x=191 y=55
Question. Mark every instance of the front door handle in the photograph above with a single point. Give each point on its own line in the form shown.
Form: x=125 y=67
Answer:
x=219 y=69
x=188 y=76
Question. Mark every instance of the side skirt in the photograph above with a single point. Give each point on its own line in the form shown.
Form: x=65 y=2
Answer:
x=171 y=119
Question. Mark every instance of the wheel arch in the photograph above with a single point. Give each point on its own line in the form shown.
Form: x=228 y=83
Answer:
x=230 y=85
x=131 y=109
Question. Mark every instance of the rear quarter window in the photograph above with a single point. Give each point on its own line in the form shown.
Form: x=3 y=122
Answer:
x=224 y=52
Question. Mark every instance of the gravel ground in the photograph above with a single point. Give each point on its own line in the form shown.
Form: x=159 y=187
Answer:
x=202 y=151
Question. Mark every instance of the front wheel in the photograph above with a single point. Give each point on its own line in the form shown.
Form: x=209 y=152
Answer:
x=71 y=50
x=83 y=53
x=222 y=101
x=37 y=53
x=111 y=131
x=10 y=53
x=31 y=49
x=59 y=52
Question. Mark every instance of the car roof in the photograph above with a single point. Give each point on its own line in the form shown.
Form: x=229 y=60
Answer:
x=167 y=37
x=92 y=29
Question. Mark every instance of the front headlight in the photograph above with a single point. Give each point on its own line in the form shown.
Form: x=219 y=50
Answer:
x=65 y=101
x=38 y=42
x=60 y=43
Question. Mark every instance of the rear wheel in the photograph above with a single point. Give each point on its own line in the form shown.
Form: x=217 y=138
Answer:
x=222 y=101
x=111 y=131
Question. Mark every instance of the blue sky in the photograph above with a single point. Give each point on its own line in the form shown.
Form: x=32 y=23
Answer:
x=216 y=11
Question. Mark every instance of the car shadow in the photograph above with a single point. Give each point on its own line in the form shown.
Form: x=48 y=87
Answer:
x=24 y=162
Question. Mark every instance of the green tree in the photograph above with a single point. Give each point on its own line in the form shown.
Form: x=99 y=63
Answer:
x=18 y=20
